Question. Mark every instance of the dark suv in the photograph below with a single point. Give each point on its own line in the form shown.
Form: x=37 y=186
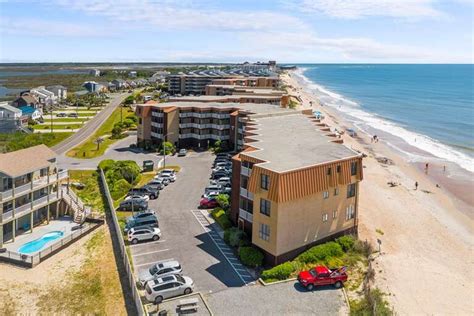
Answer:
x=151 y=192
x=132 y=205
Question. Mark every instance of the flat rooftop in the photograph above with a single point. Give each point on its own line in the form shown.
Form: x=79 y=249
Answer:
x=293 y=141
x=256 y=108
x=222 y=97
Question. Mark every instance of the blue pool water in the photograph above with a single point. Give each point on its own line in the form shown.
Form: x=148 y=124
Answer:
x=38 y=244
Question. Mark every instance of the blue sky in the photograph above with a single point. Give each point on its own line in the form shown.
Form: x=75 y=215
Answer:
x=292 y=31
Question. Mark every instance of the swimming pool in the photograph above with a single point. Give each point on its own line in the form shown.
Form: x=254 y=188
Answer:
x=38 y=244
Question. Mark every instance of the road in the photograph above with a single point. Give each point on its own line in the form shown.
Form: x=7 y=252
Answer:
x=90 y=127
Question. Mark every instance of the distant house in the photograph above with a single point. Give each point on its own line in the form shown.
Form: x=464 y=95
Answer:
x=132 y=74
x=94 y=87
x=11 y=118
x=44 y=96
x=112 y=87
x=27 y=99
x=59 y=91
x=94 y=72
x=28 y=112
x=119 y=83
x=131 y=83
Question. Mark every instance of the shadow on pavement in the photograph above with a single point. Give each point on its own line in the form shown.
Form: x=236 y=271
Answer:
x=222 y=270
x=301 y=288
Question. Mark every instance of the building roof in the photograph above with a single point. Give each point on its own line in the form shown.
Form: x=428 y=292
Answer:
x=247 y=107
x=57 y=87
x=289 y=142
x=222 y=98
x=28 y=99
x=23 y=161
x=10 y=108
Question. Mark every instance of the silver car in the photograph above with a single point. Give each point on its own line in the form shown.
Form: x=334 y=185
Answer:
x=145 y=233
x=159 y=270
x=169 y=286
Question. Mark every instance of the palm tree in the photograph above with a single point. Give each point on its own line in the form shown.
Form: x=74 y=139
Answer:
x=99 y=141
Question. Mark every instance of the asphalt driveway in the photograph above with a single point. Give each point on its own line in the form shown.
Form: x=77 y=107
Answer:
x=184 y=239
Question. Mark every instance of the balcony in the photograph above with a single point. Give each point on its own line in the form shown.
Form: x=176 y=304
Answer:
x=153 y=134
x=7 y=215
x=155 y=124
x=157 y=114
x=21 y=210
x=245 y=215
x=245 y=171
x=246 y=194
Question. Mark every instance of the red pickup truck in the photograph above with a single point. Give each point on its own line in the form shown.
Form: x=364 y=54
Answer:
x=321 y=275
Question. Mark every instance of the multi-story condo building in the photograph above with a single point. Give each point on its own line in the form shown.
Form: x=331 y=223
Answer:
x=195 y=83
x=281 y=100
x=195 y=124
x=30 y=185
x=294 y=185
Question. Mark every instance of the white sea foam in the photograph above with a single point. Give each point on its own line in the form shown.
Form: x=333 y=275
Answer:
x=414 y=139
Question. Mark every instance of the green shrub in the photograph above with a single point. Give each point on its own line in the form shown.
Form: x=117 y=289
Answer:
x=119 y=189
x=223 y=200
x=234 y=236
x=363 y=247
x=251 y=256
x=373 y=303
x=279 y=272
x=221 y=218
x=321 y=252
x=346 y=242
x=106 y=164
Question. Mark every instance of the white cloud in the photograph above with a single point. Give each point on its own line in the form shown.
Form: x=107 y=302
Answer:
x=352 y=9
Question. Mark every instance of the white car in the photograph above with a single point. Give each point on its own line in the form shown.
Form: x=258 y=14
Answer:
x=164 y=180
x=143 y=233
x=210 y=195
x=168 y=173
x=221 y=181
x=159 y=270
x=142 y=197
x=169 y=286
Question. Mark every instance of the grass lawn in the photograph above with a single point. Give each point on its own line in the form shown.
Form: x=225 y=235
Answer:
x=90 y=195
x=88 y=149
x=16 y=141
x=93 y=289
x=59 y=126
x=66 y=120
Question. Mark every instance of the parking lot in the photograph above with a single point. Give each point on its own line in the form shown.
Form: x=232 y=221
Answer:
x=184 y=237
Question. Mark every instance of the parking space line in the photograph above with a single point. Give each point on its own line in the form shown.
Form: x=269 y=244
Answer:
x=224 y=249
x=148 y=253
x=152 y=262
x=148 y=243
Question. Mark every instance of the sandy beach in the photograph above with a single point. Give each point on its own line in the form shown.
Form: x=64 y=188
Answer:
x=425 y=266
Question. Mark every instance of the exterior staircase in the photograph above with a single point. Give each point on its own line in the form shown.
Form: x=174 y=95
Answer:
x=79 y=210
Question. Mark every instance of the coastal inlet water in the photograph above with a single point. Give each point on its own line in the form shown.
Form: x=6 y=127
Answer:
x=428 y=107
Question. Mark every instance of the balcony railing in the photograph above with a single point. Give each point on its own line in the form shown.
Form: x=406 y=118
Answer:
x=245 y=171
x=246 y=215
x=7 y=215
x=155 y=124
x=157 y=135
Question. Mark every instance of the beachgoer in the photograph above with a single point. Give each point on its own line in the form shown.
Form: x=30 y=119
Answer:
x=426 y=167
x=444 y=168
x=437 y=185
x=416 y=185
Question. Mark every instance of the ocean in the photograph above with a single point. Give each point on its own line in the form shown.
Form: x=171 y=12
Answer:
x=424 y=111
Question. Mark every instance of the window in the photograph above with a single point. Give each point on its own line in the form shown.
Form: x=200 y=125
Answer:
x=351 y=190
x=265 y=207
x=334 y=214
x=336 y=191
x=353 y=168
x=329 y=171
x=264 y=181
x=325 y=194
x=325 y=217
x=350 y=212
x=338 y=169
x=264 y=232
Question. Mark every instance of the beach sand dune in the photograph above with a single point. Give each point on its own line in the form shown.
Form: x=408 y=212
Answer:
x=426 y=262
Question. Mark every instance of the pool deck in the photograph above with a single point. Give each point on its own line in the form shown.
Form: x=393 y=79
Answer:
x=63 y=224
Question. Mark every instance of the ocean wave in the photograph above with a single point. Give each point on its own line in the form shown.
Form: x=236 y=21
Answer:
x=414 y=139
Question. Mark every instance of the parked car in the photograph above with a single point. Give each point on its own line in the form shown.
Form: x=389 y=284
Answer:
x=141 y=234
x=182 y=152
x=321 y=275
x=220 y=174
x=138 y=197
x=212 y=188
x=164 y=180
x=156 y=184
x=211 y=195
x=142 y=215
x=224 y=181
x=169 y=173
x=133 y=205
x=208 y=203
x=169 y=286
x=152 y=193
x=224 y=155
x=159 y=270
x=61 y=114
x=168 y=177
x=72 y=115
x=224 y=163
x=146 y=222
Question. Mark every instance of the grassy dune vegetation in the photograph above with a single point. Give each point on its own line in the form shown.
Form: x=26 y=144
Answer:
x=16 y=141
